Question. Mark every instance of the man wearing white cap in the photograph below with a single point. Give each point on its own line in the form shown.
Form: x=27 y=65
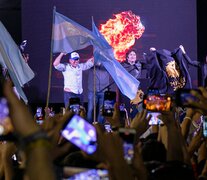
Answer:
x=72 y=73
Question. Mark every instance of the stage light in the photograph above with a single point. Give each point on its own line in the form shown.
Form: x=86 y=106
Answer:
x=121 y=32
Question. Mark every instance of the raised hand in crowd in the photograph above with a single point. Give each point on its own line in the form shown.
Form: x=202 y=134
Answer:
x=200 y=105
x=82 y=112
x=110 y=147
x=141 y=122
x=7 y=150
x=52 y=126
x=37 y=147
x=196 y=142
x=138 y=98
x=186 y=123
x=115 y=119
x=202 y=162
x=174 y=137
x=21 y=118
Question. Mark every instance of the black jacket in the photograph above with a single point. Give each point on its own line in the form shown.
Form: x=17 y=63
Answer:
x=168 y=71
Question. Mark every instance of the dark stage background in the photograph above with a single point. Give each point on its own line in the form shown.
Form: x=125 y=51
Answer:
x=167 y=25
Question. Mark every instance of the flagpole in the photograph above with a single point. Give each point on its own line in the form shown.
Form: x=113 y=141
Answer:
x=94 y=94
x=94 y=90
x=51 y=58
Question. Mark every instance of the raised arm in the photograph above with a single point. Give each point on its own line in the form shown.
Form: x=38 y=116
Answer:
x=36 y=147
x=174 y=138
x=58 y=59
x=185 y=125
x=88 y=64
x=193 y=63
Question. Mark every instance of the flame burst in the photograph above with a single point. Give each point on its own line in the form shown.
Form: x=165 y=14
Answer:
x=121 y=32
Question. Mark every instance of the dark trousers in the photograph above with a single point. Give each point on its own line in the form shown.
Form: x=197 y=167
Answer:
x=99 y=103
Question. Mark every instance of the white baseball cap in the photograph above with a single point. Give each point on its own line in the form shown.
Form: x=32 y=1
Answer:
x=74 y=56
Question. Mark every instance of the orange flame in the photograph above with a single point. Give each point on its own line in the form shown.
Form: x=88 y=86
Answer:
x=121 y=32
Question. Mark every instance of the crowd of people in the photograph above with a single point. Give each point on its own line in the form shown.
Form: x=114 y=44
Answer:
x=175 y=149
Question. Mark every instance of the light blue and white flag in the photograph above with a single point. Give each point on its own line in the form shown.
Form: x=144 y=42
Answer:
x=103 y=53
x=68 y=35
x=11 y=59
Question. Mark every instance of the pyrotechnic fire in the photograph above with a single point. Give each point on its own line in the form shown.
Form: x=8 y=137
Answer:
x=121 y=32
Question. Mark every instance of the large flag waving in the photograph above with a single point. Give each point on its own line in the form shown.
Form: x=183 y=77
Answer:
x=68 y=35
x=126 y=83
x=11 y=59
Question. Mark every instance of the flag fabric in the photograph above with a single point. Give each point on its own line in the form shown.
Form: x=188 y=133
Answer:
x=68 y=35
x=103 y=53
x=11 y=59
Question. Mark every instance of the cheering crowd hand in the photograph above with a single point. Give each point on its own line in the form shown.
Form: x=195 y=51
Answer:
x=138 y=98
x=7 y=149
x=115 y=119
x=201 y=105
x=25 y=126
x=112 y=154
x=141 y=122
x=190 y=112
x=195 y=143
x=82 y=112
x=52 y=126
x=187 y=121
x=175 y=139
x=168 y=118
x=21 y=118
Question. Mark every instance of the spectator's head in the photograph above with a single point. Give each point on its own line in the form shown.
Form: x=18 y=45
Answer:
x=74 y=59
x=131 y=56
x=152 y=150
x=77 y=159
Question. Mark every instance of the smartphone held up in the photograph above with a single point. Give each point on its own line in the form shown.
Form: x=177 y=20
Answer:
x=128 y=136
x=154 y=118
x=204 y=120
x=95 y=174
x=81 y=133
x=157 y=102
x=109 y=101
x=74 y=105
x=39 y=115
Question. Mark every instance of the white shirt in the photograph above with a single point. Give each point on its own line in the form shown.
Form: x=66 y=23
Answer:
x=73 y=76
